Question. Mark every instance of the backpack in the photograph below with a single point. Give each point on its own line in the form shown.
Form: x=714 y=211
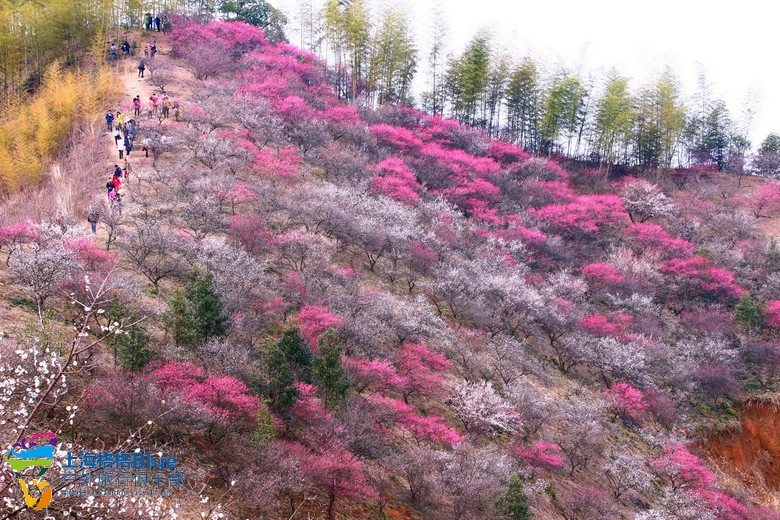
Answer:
x=110 y=186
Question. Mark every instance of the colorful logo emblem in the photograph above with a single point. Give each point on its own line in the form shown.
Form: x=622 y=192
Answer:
x=35 y=452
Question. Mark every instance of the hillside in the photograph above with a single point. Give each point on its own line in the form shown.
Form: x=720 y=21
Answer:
x=323 y=310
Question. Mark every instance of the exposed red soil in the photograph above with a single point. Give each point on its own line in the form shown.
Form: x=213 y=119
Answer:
x=753 y=453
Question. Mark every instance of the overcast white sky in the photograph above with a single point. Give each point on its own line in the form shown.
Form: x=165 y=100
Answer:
x=734 y=43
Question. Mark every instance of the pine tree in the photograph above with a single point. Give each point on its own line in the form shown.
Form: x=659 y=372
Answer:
x=197 y=312
x=290 y=361
x=513 y=505
x=206 y=305
x=328 y=373
x=179 y=320
x=747 y=313
x=130 y=345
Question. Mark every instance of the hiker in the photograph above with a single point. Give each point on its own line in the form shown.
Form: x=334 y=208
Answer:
x=110 y=186
x=151 y=109
x=126 y=48
x=176 y=111
x=136 y=106
x=166 y=107
x=157 y=23
x=152 y=51
x=117 y=182
x=155 y=100
x=92 y=218
x=146 y=51
x=116 y=203
x=120 y=118
x=128 y=146
x=148 y=21
x=117 y=170
x=126 y=174
x=142 y=66
x=110 y=120
x=112 y=51
x=120 y=146
x=117 y=133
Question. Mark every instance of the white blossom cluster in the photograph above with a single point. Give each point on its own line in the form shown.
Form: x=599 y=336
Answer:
x=25 y=374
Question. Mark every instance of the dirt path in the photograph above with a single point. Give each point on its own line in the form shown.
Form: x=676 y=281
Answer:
x=133 y=85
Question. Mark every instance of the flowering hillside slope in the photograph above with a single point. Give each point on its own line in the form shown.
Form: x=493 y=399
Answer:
x=377 y=312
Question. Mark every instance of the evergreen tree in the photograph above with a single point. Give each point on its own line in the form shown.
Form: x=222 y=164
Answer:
x=613 y=121
x=513 y=505
x=767 y=160
x=290 y=361
x=130 y=346
x=393 y=59
x=709 y=130
x=327 y=372
x=348 y=29
x=747 y=313
x=179 y=320
x=496 y=90
x=467 y=81
x=259 y=13
x=562 y=110
x=523 y=95
x=206 y=304
x=671 y=115
x=659 y=122
x=197 y=312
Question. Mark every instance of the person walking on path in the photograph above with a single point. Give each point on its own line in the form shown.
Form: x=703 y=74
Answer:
x=117 y=133
x=110 y=120
x=117 y=182
x=120 y=118
x=92 y=218
x=120 y=146
x=141 y=68
x=137 y=106
x=116 y=203
x=128 y=146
